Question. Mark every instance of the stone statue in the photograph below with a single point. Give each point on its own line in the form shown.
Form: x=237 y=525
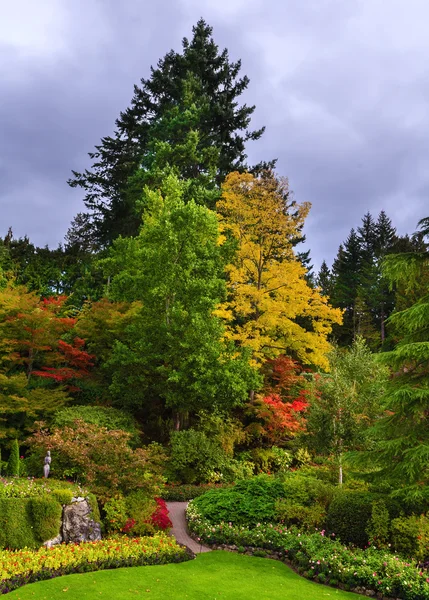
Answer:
x=47 y=465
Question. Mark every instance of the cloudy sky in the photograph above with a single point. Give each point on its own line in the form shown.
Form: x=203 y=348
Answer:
x=341 y=85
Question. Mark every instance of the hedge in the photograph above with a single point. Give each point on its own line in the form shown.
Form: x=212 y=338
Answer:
x=28 y=522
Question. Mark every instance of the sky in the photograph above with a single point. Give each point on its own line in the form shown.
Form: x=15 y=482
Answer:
x=342 y=87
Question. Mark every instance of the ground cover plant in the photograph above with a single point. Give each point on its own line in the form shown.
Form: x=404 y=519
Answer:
x=25 y=566
x=211 y=575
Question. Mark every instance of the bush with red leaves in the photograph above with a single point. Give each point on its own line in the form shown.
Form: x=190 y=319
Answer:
x=160 y=517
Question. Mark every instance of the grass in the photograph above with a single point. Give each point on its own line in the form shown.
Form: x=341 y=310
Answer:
x=215 y=575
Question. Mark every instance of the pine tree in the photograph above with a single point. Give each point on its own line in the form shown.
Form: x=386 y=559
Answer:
x=402 y=455
x=190 y=100
x=324 y=279
x=345 y=270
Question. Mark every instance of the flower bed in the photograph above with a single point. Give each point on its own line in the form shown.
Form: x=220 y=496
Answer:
x=321 y=558
x=26 y=566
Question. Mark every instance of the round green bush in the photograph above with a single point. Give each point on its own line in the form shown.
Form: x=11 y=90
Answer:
x=348 y=516
x=249 y=502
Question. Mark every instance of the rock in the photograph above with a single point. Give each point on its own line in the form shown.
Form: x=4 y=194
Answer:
x=77 y=526
x=54 y=541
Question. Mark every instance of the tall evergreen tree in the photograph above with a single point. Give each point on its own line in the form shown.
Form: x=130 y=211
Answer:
x=345 y=270
x=324 y=279
x=403 y=452
x=190 y=100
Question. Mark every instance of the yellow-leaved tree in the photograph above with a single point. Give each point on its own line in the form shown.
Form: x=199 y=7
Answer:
x=270 y=306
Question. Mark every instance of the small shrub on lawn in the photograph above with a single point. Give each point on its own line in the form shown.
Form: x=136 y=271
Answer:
x=25 y=566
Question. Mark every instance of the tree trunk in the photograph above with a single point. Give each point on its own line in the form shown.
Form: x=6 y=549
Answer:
x=177 y=422
x=383 y=330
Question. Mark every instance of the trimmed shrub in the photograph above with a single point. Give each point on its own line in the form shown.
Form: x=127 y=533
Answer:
x=348 y=517
x=63 y=496
x=45 y=514
x=13 y=463
x=28 y=522
x=306 y=490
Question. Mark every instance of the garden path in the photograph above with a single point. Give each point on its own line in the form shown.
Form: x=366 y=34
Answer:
x=180 y=529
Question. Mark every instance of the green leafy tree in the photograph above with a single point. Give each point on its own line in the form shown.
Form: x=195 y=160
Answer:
x=186 y=114
x=345 y=402
x=174 y=348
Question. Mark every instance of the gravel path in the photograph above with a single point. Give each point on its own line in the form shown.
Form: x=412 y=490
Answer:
x=180 y=530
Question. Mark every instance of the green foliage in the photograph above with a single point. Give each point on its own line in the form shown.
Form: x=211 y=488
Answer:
x=173 y=349
x=195 y=458
x=28 y=522
x=140 y=507
x=346 y=401
x=410 y=536
x=12 y=468
x=36 y=488
x=349 y=515
x=115 y=514
x=45 y=517
x=306 y=518
x=401 y=454
x=100 y=458
x=103 y=416
x=185 y=492
x=378 y=571
x=63 y=496
x=133 y=510
x=306 y=490
x=378 y=527
x=249 y=502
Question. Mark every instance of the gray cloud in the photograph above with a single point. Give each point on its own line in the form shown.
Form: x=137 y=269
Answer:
x=341 y=86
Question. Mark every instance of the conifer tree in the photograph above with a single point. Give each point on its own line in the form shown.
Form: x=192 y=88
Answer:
x=324 y=279
x=346 y=284
x=402 y=455
x=187 y=113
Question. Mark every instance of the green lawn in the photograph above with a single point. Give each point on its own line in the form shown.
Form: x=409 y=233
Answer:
x=216 y=575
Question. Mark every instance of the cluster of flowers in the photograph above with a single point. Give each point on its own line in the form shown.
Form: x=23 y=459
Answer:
x=160 y=517
x=25 y=566
x=321 y=558
x=32 y=488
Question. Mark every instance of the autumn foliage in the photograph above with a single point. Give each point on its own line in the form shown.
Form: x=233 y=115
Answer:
x=270 y=308
x=279 y=411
